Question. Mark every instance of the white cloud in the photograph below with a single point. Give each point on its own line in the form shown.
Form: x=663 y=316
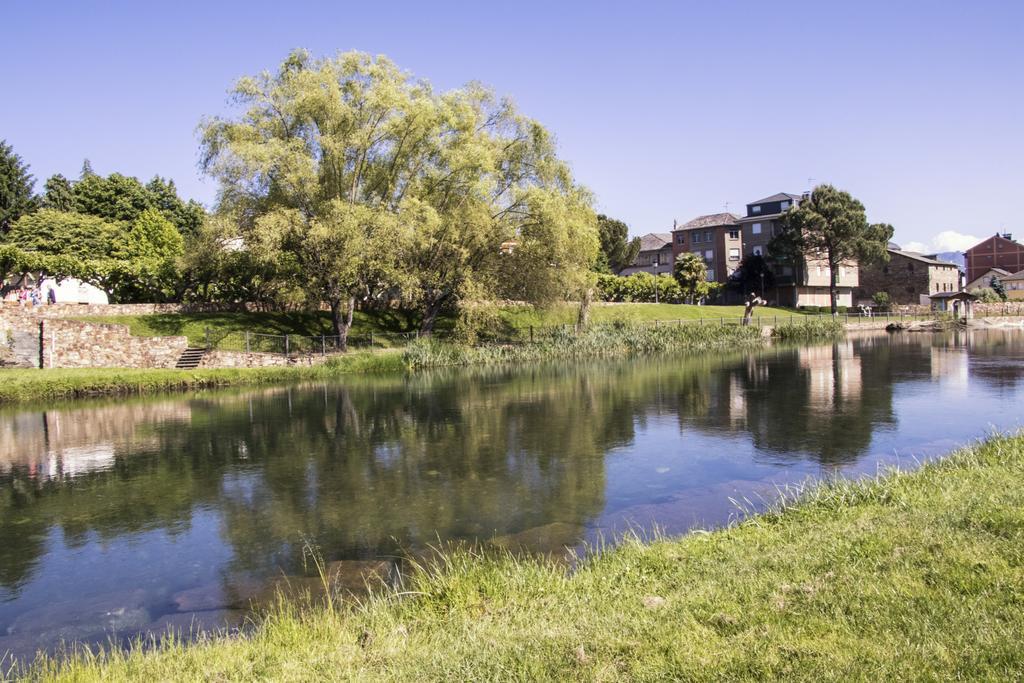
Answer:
x=947 y=240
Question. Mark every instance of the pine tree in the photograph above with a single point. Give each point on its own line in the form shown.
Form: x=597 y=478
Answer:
x=16 y=184
x=999 y=288
x=58 y=194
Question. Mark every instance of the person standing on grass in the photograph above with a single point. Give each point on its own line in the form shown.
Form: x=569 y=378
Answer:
x=51 y=296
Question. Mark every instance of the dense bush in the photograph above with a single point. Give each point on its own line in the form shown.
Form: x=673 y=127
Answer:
x=618 y=339
x=881 y=300
x=986 y=295
x=639 y=288
x=811 y=328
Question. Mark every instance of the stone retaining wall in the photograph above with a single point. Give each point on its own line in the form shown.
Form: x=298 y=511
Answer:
x=241 y=359
x=74 y=344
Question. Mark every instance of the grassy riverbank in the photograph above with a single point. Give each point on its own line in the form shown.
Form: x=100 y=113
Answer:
x=597 y=341
x=594 y=342
x=36 y=385
x=514 y=320
x=914 y=576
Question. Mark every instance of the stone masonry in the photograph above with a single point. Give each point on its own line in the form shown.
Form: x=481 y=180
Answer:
x=906 y=278
x=241 y=359
x=75 y=344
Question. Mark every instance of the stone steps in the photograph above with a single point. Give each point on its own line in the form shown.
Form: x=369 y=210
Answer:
x=190 y=358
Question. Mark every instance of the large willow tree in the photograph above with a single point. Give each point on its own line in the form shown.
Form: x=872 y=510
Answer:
x=366 y=183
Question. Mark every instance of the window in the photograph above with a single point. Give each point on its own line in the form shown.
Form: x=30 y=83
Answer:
x=734 y=254
x=885 y=270
x=711 y=274
x=734 y=234
x=681 y=238
x=709 y=254
x=707 y=236
x=910 y=267
x=842 y=272
x=755 y=209
x=783 y=206
x=758 y=251
x=756 y=228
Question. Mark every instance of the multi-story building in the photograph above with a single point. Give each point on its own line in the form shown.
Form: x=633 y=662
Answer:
x=908 y=278
x=801 y=284
x=716 y=238
x=655 y=255
x=999 y=251
x=985 y=279
x=1014 y=285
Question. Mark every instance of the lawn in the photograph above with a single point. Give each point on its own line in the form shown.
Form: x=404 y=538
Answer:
x=912 y=576
x=23 y=385
x=522 y=317
x=395 y=327
x=228 y=327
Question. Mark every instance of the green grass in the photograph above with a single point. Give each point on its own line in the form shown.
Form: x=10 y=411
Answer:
x=597 y=340
x=514 y=319
x=808 y=329
x=43 y=385
x=304 y=323
x=522 y=317
x=909 y=576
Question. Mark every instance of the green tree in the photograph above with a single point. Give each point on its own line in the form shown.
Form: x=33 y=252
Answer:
x=345 y=251
x=351 y=151
x=881 y=300
x=998 y=287
x=617 y=250
x=16 y=184
x=691 y=273
x=217 y=267
x=116 y=197
x=832 y=226
x=124 y=198
x=754 y=275
x=134 y=261
x=986 y=295
x=187 y=217
x=143 y=263
x=49 y=231
x=58 y=194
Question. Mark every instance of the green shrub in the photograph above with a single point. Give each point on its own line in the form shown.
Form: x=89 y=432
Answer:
x=639 y=288
x=811 y=328
x=615 y=339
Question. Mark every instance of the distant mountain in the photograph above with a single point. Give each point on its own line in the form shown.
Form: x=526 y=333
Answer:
x=956 y=257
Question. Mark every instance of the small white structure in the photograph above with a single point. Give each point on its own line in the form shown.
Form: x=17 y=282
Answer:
x=960 y=304
x=67 y=291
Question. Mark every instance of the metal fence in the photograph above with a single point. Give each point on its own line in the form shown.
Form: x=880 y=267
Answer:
x=296 y=345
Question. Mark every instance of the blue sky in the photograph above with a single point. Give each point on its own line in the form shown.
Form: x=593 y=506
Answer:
x=665 y=110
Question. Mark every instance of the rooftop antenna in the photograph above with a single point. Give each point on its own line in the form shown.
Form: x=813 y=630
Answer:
x=726 y=207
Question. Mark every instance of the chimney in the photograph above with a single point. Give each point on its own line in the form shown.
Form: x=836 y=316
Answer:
x=1007 y=236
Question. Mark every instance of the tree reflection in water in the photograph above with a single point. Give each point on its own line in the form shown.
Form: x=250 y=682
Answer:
x=369 y=466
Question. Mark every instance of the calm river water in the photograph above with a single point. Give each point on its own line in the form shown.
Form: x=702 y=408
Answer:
x=120 y=518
